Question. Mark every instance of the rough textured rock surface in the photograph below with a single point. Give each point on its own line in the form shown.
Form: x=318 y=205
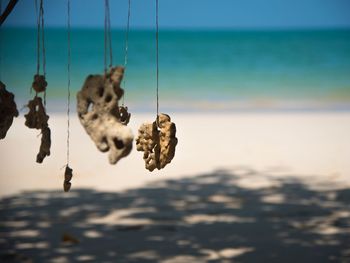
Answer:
x=101 y=116
x=157 y=141
x=37 y=118
x=148 y=142
x=8 y=110
x=68 y=174
x=45 y=145
x=39 y=83
x=124 y=115
x=167 y=139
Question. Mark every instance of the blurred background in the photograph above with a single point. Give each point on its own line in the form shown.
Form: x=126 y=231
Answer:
x=241 y=55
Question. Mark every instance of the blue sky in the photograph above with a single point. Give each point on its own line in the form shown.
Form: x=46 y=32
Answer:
x=191 y=13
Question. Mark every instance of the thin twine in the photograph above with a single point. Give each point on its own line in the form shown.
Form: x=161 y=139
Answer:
x=43 y=42
x=126 y=45
x=157 y=51
x=40 y=34
x=38 y=38
x=107 y=37
x=105 y=42
x=68 y=72
x=43 y=36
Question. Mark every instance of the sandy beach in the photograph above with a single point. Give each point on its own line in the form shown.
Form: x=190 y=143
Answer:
x=243 y=187
x=303 y=145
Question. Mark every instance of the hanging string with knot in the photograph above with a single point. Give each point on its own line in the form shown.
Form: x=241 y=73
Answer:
x=40 y=38
x=157 y=56
x=108 y=38
x=68 y=73
x=126 y=45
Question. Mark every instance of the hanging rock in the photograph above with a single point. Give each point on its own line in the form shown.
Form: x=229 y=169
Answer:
x=157 y=141
x=45 y=145
x=148 y=142
x=101 y=116
x=68 y=174
x=37 y=118
x=8 y=110
x=39 y=83
x=124 y=115
x=167 y=139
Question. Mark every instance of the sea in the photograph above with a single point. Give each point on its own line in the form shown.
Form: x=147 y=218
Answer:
x=199 y=70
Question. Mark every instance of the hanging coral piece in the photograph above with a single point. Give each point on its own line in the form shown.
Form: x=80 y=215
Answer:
x=45 y=144
x=157 y=140
x=68 y=174
x=8 y=110
x=101 y=116
x=124 y=115
x=37 y=118
x=39 y=83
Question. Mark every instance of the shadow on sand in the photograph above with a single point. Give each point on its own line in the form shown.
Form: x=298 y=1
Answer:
x=205 y=218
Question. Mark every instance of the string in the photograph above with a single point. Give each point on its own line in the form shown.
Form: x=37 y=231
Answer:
x=157 y=51
x=43 y=43
x=68 y=71
x=127 y=44
x=107 y=37
x=38 y=38
x=43 y=36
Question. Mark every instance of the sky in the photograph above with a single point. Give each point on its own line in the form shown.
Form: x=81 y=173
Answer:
x=256 y=14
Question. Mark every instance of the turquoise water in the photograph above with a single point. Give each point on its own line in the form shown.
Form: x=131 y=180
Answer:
x=198 y=69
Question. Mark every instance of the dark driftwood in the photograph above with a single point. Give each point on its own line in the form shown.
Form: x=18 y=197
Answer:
x=8 y=10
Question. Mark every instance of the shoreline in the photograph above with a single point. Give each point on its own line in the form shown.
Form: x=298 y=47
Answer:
x=59 y=106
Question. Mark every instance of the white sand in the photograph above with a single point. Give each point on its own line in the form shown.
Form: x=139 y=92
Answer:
x=310 y=146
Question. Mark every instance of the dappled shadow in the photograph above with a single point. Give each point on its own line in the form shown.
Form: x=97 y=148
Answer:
x=214 y=217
